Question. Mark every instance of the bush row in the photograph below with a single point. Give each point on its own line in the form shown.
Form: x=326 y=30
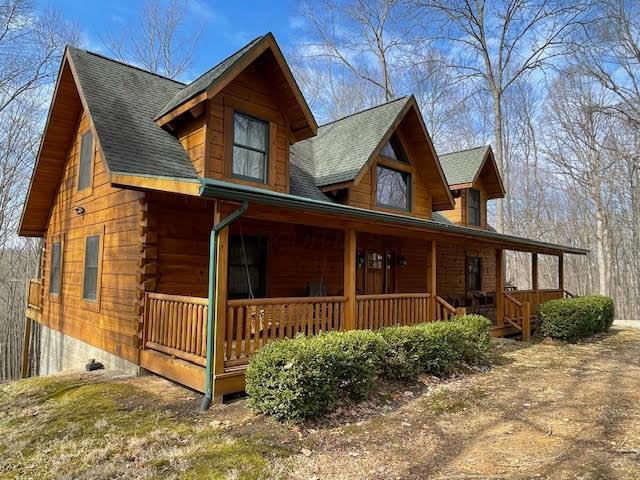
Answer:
x=574 y=318
x=307 y=376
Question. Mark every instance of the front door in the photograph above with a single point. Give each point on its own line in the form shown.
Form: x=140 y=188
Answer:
x=378 y=273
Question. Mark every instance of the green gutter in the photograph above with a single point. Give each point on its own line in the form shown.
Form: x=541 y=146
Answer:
x=213 y=245
x=230 y=191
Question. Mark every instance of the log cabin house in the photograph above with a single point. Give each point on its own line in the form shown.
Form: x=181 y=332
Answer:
x=186 y=225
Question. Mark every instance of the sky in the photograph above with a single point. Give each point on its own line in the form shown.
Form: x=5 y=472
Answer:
x=226 y=25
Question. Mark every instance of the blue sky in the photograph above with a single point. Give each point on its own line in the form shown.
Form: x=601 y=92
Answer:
x=227 y=24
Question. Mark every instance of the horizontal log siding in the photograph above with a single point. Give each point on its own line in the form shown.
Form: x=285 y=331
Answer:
x=112 y=323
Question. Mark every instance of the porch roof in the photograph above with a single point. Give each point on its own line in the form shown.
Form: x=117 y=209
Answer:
x=213 y=188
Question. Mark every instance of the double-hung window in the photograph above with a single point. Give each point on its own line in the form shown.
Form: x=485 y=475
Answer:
x=474 y=207
x=393 y=188
x=250 y=148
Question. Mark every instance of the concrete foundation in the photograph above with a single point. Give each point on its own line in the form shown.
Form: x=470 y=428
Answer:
x=60 y=352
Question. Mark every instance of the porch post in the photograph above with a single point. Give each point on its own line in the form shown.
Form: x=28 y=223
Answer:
x=349 y=320
x=432 y=280
x=561 y=272
x=534 y=279
x=222 y=260
x=499 y=287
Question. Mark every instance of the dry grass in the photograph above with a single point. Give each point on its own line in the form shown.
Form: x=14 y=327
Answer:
x=543 y=411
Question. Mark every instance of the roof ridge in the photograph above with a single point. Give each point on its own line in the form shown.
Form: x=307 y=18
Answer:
x=228 y=57
x=125 y=64
x=365 y=110
x=464 y=150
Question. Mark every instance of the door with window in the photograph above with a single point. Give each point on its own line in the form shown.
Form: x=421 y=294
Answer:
x=378 y=273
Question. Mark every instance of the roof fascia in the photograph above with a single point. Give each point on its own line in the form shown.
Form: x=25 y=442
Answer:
x=266 y=43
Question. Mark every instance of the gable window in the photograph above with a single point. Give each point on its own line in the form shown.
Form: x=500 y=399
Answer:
x=91 y=260
x=85 y=169
x=250 y=148
x=247 y=267
x=474 y=273
x=474 y=207
x=393 y=188
x=394 y=150
x=56 y=268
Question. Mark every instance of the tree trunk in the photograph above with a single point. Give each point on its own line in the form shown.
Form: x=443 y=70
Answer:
x=497 y=114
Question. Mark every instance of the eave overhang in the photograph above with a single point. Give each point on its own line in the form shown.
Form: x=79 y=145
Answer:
x=219 y=189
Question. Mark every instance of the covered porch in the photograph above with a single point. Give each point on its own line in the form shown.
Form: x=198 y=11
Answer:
x=279 y=274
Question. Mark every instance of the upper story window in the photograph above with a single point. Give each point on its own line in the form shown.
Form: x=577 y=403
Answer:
x=250 y=148
x=85 y=169
x=474 y=207
x=393 y=188
x=56 y=268
x=394 y=150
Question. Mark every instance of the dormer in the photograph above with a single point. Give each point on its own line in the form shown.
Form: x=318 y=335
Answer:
x=379 y=159
x=238 y=120
x=474 y=178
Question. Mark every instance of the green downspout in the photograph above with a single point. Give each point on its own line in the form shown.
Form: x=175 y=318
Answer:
x=213 y=247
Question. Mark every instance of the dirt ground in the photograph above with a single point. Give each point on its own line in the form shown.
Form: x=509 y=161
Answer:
x=544 y=410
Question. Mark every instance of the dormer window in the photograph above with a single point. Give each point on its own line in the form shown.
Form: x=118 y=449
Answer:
x=394 y=150
x=474 y=207
x=393 y=188
x=250 y=148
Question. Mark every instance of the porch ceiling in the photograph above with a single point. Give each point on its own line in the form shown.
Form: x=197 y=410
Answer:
x=318 y=212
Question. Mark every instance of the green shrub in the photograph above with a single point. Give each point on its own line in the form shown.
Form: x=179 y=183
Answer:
x=307 y=376
x=574 y=318
x=436 y=348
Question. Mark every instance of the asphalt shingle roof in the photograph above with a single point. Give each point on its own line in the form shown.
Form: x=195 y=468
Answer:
x=341 y=148
x=207 y=79
x=462 y=167
x=123 y=101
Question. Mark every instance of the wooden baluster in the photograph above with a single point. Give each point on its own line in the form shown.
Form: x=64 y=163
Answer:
x=188 y=323
x=230 y=321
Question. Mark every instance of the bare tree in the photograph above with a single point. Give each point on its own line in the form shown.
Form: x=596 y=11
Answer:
x=577 y=133
x=612 y=57
x=31 y=46
x=160 y=41
x=496 y=43
x=331 y=93
x=367 y=37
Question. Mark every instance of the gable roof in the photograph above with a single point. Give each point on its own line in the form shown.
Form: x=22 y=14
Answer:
x=463 y=168
x=121 y=101
x=341 y=148
x=208 y=78
x=344 y=148
x=302 y=122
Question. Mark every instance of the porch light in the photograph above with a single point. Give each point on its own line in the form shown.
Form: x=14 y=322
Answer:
x=360 y=260
x=402 y=260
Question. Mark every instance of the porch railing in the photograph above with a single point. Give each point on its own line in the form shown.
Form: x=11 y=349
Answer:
x=176 y=325
x=250 y=324
x=386 y=310
x=445 y=311
x=536 y=299
x=518 y=314
x=34 y=293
